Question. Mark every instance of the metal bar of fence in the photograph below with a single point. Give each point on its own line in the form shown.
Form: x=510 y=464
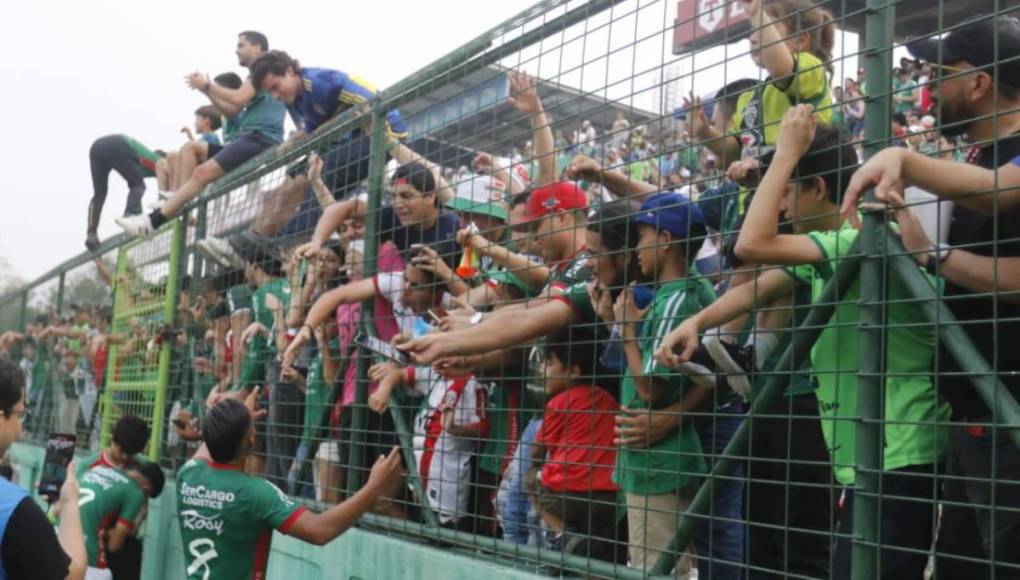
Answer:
x=872 y=333
x=177 y=241
x=738 y=449
x=376 y=169
x=1005 y=409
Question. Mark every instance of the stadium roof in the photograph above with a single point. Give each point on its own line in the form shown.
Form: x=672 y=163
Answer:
x=472 y=114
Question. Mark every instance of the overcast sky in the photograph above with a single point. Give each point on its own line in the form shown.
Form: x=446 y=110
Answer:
x=75 y=71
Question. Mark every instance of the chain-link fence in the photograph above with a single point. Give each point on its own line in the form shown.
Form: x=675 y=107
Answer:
x=603 y=277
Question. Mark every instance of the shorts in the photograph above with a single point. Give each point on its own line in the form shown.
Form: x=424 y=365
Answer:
x=329 y=452
x=380 y=437
x=243 y=148
x=98 y=573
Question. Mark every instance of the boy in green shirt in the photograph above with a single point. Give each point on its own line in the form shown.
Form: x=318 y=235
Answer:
x=659 y=480
x=914 y=437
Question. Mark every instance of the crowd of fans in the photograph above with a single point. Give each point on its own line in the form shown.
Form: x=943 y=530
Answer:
x=574 y=330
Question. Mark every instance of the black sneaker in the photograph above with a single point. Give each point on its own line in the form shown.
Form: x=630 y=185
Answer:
x=701 y=369
x=734 y=361
x=92 y=241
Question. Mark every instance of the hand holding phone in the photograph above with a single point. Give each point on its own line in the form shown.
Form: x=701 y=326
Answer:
x=59 y=453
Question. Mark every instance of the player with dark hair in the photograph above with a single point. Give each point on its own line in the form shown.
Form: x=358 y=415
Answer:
x=129 y=438
x=227 y=517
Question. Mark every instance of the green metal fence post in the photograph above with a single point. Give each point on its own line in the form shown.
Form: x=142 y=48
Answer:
x=376 y=169
x=872 y=333
x=737 y=451
x=60 y=293
x=1005 y=409
x=177 y=238
x=23 y=313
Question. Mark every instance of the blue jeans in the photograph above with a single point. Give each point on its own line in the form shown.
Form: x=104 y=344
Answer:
x=724 y=541
x=517 y=517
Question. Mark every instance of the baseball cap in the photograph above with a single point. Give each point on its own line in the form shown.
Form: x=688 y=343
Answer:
x=479 y=195
x=559 y=196
x=982 y=42
x=499 y=277
x=672 y=212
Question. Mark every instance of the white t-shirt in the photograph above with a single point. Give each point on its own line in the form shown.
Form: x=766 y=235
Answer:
x=444 y=460
x=390 y=286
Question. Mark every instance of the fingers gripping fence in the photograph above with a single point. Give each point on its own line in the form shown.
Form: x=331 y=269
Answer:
x=639 y=334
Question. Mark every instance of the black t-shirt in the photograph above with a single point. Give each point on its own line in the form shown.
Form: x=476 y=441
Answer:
x=996 y=339
x=442 y=236
x=30 y=549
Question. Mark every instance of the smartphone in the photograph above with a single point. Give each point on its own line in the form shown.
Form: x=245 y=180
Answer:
x=303 y=270
x=381 y=348
x=59 y=453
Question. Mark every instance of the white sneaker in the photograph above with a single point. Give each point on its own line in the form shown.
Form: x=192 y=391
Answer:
x=733 y=361
x=139 y=226
x=220 y=251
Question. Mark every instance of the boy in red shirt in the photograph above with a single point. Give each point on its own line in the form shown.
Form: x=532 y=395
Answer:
x=572 y=481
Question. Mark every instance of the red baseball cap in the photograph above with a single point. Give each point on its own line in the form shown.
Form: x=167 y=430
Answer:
x=559 y=196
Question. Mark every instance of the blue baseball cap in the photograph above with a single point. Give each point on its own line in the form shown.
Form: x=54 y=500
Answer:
x=672 y=212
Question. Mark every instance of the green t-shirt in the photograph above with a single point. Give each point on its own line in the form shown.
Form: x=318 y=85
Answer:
x=675 y=461
x=259 y=349
x=146 y=157
x=239 y=298
x=503 y=412
x=915 y=418
x=263 y=114
x=759 y=111
x=227 y=518
x=316 y=394
x=904 y=89
x=107 y=496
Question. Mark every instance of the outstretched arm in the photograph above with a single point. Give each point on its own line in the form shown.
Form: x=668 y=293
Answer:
x=760 y=241
x=524 y=96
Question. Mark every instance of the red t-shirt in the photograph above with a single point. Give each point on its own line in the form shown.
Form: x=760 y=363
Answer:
x=577 y=432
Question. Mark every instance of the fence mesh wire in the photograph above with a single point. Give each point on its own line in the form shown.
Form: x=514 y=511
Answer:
x=640 y=336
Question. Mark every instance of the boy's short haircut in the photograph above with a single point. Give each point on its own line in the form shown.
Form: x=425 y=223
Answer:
x=273 y=62
x=899 y=117
x=224 y=429
x=229 y=80
x=154 y=473
x=256 y=37
x=12 y=386
x=210 y=112
x=829 y=157
x=417 y=176
x=575 y=346
x=131 y=433
x=728 y=96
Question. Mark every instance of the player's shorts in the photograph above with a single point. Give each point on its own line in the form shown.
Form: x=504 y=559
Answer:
x=243 y=148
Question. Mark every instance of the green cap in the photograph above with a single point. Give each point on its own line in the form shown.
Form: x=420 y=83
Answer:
x=479 y=195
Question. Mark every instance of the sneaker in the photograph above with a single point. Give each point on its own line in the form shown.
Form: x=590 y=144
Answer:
x=92 y=241
x=139 y=226
x=219 y=251
x=736 y=362
x=700 y=369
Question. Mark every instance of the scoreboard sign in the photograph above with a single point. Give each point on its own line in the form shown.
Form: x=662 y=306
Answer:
x=703 y=23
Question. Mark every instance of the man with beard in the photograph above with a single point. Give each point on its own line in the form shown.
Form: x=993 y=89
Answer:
x=977 y=77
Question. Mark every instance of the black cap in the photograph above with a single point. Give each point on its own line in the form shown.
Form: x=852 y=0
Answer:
x=982 y=42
